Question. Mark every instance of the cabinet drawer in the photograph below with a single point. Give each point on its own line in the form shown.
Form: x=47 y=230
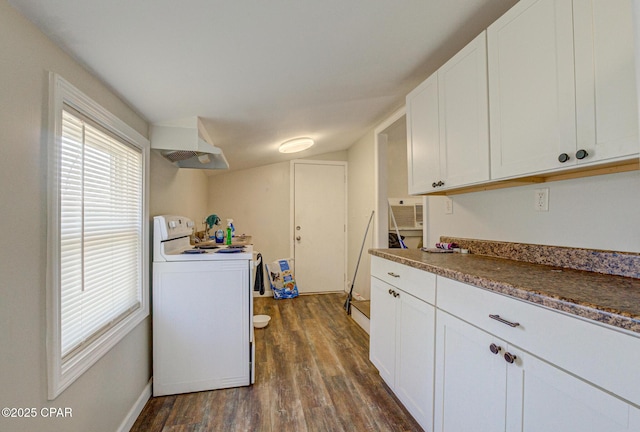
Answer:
x=418 y=283
x=604 y=356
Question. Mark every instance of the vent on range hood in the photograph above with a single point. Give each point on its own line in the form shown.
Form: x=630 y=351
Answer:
x=186 y=144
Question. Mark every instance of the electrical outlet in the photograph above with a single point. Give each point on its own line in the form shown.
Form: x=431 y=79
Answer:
x=448 y=205
x=541 y=202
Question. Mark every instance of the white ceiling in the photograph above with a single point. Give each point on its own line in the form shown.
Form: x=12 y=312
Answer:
x=262 y=72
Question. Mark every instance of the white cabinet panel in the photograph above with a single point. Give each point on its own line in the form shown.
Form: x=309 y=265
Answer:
x=479 y=390
x=464 y=111
x=545 y=333
x=402 y=337
x=607 y=112
x=414 y=357
x=562 y=82
x=418 y=283
x=423 y=136
x=447 y=124
x=541 y=397
x=382 y=330
x=470 y=380
x=531 y=82
x=192 y=302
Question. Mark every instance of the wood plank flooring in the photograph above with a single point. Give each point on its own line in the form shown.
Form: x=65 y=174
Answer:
x=312 y=374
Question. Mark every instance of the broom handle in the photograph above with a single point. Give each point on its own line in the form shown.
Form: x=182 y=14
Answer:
x=362 y=248
x=355 y=273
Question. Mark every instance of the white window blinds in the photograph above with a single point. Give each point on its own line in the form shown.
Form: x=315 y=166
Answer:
x=101 y=216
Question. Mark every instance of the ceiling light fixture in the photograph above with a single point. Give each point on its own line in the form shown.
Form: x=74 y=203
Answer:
x=295 y=145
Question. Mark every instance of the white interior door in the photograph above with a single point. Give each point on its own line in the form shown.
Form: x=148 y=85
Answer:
x=319 y=225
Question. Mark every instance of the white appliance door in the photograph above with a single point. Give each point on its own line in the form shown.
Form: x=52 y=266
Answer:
x=201 y=326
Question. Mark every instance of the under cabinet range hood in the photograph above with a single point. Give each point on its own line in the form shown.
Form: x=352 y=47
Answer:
x=186 y=144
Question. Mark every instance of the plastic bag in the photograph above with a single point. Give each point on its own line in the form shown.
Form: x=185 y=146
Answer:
x=281 y=279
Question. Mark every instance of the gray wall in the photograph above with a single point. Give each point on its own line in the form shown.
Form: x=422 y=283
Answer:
x=101 y=399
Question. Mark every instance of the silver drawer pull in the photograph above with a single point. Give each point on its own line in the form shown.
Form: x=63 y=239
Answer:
x=393 y=274
x=504 y=321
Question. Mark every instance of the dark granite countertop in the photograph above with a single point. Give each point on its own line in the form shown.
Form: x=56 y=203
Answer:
x=609 y=299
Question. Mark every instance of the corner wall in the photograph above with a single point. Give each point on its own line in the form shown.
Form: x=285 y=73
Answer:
x=177 y=191
x=102 y=397
x=361 y=203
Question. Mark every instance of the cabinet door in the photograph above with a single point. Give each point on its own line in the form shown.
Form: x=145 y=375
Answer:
x=606 y=104
x=464 y=110
x=423 y=151
x=541 y=397
x=470 y=380
x=531 y=88
x=382 y=330
x=415 y=357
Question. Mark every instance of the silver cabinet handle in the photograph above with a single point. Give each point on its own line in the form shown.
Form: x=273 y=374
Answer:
x=504 y=321
x=392 y=274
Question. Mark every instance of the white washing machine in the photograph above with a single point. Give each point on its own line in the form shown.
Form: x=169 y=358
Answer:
x=202 y=306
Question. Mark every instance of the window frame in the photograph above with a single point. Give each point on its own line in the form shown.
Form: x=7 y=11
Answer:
x=61 y=374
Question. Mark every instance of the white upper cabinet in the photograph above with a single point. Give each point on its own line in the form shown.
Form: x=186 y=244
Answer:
x=562 y=86
x=606 y=104
x=447 y=124
x=423 y=136
x=531 y=82
x=464 y=122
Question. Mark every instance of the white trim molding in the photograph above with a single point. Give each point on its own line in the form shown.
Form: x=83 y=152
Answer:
x=345 y=164
x=61 y=374
x=381 y=226
x=136 y=409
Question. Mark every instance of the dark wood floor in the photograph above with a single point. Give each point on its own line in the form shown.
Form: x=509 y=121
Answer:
x=313 y=374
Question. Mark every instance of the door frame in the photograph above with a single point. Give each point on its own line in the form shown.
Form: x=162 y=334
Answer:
x=292 y=165
x=381 y=234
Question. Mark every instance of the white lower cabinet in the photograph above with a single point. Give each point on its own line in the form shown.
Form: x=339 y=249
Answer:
x=541 y=397
x=382 y=330
x=470 y=381
x=402 y=346
x=489 y=383
x=482 y=361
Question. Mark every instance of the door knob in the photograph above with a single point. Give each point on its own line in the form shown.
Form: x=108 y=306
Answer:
x=298 y=238
x=298 y=228
x=563 y=158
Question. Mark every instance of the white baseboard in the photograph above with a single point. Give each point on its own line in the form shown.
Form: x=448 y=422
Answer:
x=360 y=319
x=136 y=409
